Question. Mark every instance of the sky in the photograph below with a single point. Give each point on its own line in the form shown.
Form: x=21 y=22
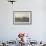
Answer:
x=22 y=14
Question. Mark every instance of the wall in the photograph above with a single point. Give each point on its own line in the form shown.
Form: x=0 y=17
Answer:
x=9 y=31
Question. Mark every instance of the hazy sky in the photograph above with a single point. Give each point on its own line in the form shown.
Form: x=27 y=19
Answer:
x=22 y=14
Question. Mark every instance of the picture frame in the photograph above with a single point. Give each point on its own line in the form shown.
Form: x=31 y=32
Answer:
x=22 y=17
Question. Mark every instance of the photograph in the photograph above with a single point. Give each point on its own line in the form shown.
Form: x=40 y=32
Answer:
x=22 y=17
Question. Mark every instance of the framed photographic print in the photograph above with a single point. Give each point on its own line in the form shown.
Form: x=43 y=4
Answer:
x=22 y=17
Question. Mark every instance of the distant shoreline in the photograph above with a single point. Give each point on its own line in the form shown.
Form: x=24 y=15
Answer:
x=23 y=19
